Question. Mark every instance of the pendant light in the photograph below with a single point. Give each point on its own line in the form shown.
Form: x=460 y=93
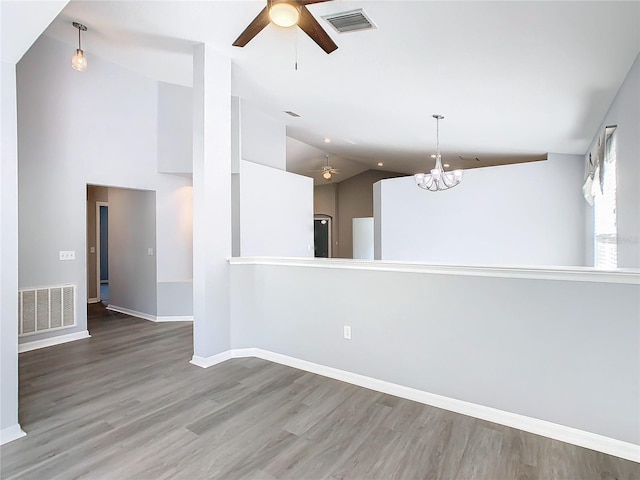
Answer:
x=79 y=61
x=438 y=179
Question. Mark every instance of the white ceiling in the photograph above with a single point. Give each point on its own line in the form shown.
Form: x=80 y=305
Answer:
x=514 y=80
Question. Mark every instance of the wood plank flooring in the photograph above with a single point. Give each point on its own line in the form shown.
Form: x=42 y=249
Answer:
x=126 y=404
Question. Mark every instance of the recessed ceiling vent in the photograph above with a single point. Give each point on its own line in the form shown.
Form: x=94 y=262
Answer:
x=351 y=21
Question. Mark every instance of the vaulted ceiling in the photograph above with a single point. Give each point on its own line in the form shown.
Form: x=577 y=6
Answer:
x=514 y=80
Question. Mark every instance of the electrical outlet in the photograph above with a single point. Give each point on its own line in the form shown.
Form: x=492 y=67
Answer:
x=347 y=332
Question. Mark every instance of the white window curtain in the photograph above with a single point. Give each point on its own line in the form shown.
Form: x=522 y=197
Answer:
x=594 y=171
x=604 y=212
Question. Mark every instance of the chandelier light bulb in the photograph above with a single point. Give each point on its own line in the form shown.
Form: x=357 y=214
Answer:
x=284 y=14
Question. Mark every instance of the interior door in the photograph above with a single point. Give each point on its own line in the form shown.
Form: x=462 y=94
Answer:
x=321 y=237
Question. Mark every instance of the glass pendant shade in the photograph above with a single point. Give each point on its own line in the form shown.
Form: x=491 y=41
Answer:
x=284 y=14
x=326 y=175
x=79 y=61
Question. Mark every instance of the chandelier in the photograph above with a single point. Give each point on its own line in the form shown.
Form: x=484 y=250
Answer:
x=438 y=179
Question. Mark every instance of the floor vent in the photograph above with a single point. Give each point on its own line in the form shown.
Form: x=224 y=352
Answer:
x=351 y=21
x=46 y=309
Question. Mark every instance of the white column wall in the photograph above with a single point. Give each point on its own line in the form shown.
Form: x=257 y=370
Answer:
x=21 y=25
x=9 y=426
x=211 y=201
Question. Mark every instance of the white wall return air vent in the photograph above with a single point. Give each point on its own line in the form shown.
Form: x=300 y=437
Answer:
x=45 y=309
x=351 y=21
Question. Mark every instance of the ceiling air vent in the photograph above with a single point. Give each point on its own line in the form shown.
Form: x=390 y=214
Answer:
x=351 y=21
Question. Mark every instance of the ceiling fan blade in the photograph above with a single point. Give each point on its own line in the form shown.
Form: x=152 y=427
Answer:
x=311 y=27
x=254 y=28
x=309 y=2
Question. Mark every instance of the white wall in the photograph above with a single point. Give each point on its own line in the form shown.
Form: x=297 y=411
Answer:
x=523 y=214
x=625 y=113
x=363 y=238
x=8 y=254
x=175 y=128
x=20 y=27
x=262 y=137
x=276 y=212
x=99 y=127
x=212 y=200
x=132 y=232
x=534 y=347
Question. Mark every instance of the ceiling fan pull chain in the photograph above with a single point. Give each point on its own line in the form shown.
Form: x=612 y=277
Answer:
x=296 y=50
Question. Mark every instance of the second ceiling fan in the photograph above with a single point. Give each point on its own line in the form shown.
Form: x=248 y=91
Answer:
x=287 y=13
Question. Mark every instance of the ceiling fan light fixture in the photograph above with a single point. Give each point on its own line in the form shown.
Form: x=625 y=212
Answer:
x=326 y=175
x=284 y=14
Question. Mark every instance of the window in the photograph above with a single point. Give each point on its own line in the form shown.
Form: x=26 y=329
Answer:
x=604 y=211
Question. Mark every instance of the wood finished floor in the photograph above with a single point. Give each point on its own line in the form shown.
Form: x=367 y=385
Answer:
x=126 y=404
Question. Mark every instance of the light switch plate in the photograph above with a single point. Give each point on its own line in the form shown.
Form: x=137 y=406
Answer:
x=67 y=255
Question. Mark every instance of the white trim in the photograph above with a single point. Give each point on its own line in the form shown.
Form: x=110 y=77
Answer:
x=536 y=426
x=133 y=313
x=175 y=318
x=93 y=300
x=148 y=316
x=206 y=362
x=577 y=274
x=49 y=342
x=11 y=433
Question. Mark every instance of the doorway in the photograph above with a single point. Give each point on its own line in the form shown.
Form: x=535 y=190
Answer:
x=322 y=236
x=102 y=257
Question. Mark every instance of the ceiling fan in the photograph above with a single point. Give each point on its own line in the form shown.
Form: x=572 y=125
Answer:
x=327 y=170
x=287 y=13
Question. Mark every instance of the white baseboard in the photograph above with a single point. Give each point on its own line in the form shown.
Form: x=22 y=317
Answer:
x=563 y=433
x=49 y=342
x=11 y=433
x=133 y=313
x=93 y=300
x=206 y=362
x=151 y=318
x=174 y=318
